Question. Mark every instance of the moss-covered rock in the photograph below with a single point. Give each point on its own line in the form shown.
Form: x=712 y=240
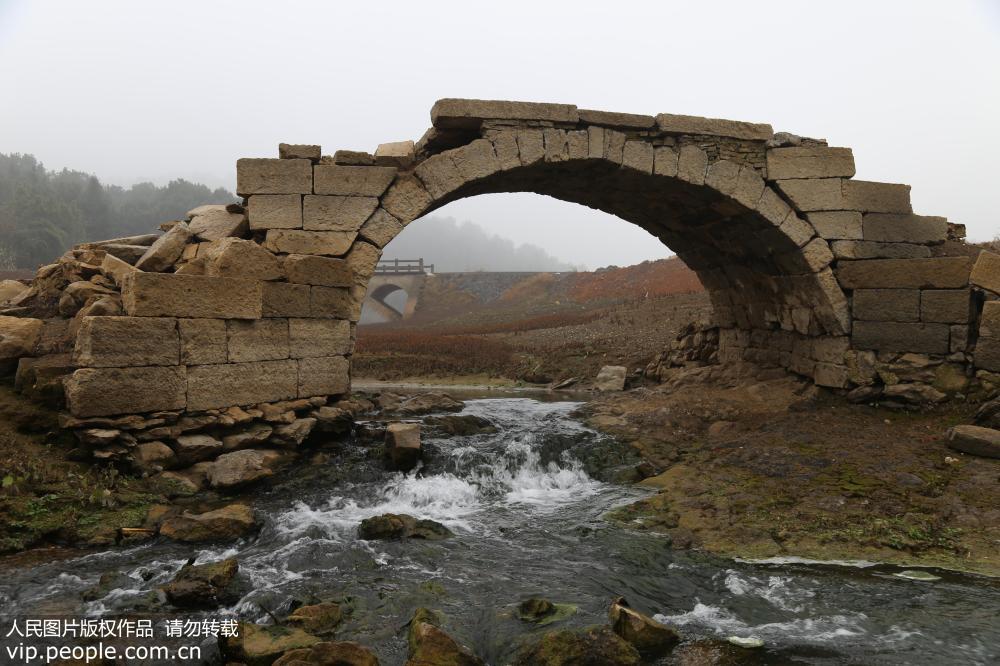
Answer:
x=429 y=645
x=592 y=646
x=262 y=645
x=338 y=653
x=204 y=585
x=316 y=618
x=648 y=636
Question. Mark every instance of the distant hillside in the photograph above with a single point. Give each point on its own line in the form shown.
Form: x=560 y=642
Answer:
x=43 y=213
x=463 y=247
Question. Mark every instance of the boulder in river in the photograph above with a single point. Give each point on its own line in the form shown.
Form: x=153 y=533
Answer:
x=460 y=425
x=334 y=653
x=420 y=403
x=542 y=611
x=713 y=652
x=229 y=522
x=316 y=618
x=591 y=646
x=401 y=526
x=402 y=445
x=240 y=468
x=263 y=645
x=648 y=636
x=975 y=440
x=611 y=378
x=429 y=645
x=204 y=585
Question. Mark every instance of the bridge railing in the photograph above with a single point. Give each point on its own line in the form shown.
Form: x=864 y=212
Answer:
x=403 y=267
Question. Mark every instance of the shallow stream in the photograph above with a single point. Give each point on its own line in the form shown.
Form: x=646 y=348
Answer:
x=527 y=519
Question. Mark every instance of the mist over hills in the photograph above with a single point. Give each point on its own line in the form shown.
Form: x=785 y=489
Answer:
x=455 y=247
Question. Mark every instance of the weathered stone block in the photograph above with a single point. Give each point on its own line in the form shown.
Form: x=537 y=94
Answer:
x=359 y=181
x=396 y=154
x=946 y=306
x=901 y=337
x=193 y=296
x=692 y=163
x=336 y=213
x=749 y=187
x=932 y=273
x=773 y=207
x=616 y=120
x=324 y=271
x=273 y=176
x=203 y=341
x=989 y=321
x=167 y=249
x=407 y=199
x=475 y=160
x=831 y=375
x=614 y=146
x=987 y=354
x=235 y=257
x=297 y=241
x=986 y=272
x=505 y=147
x=676 y=124
x=665 y=161
x=283 y=299
x=380 y=228
x=837 y=225
x=531 y=146
x=115 y=268
x=439 y=174
x=638 y=155
x=809 y=162
x=350 y=158
x=275 y=211
x=258 y=340
x=887 y=304
x=903 y=228
x=959 y=338
x=116 y=342
x=227 y=384
x=319 y=337
x=722 y=176
x=829 y=349
x=826 y=194
x=330 y=375
x=855 y=249
x=335 y=303
x=363 y=258
x=109 y=391
x=292 y=151
x=211 y=223
x=556 y=145
x=469 y=113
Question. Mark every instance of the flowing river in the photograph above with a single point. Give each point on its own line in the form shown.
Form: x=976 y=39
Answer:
x=527 y=520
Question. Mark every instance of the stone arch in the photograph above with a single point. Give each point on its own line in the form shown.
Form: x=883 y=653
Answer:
x=795 y=254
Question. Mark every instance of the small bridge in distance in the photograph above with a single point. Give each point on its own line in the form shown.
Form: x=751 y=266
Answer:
x=392 y=275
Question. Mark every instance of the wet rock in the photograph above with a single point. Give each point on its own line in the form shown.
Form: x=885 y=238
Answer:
x=240 y=468
x=204 y=585
x=401 y=526
x=111 y=580
x=338 y=653
x=566 y=383
x=429 y=645
x=402 y=445
x=255 y=434
x=154 y=456
x=975 y=440
x=263 y=645
x=988 y=415
x=592 y=646
x=291 y=435
x=316 y=618
x=540 y=611
x=421 y=403
x=196 y=448
x=229 y=522
x=648 y=636
x=611 y=378
x=333 y=419
x=711 y=652
x=461 y=426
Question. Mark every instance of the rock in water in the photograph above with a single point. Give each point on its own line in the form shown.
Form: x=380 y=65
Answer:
x=402 y=445
x=401 y=526
x=316 y=618
x=912 y=574
x=267 y=644
x=229 y=522
x=429 y=645
x=337 y=653
x=611 y=378
x=204 y=585
x=542 y=611
x=239 y=468
x=593 y=646
x=649 y=637
x=462 y=426
x=975 y=440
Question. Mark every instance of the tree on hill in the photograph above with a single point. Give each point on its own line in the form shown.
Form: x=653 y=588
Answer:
x=43 y=213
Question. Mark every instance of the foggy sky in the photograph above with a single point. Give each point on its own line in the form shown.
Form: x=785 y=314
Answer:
x=155 y=90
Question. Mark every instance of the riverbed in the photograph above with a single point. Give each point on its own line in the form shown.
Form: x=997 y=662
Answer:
x=526 y=505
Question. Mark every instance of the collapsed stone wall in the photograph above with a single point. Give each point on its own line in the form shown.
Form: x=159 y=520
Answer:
x=255 y=304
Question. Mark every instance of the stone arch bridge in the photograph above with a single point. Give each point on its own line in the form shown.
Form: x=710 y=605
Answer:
x=407 y=275
x=807 y=268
